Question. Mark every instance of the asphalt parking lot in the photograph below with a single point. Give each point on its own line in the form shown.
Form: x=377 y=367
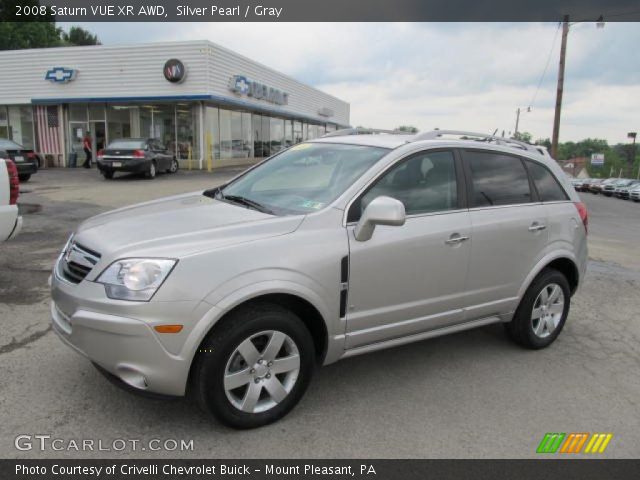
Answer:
x=469 y=395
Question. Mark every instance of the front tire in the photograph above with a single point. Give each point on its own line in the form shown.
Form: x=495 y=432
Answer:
x=24 y=177
x=254 y=367
x=173 y=167
x=542 y=312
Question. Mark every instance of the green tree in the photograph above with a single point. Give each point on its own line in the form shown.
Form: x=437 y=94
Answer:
x=78 y=36
x=523 y=136
x=407 y=128
x=37 y=31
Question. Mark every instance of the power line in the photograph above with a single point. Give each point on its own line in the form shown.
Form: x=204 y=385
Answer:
x=546 y=67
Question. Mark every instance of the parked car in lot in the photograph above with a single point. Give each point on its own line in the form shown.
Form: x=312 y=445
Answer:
x=136 y=155
x=599 y=186
x=26 y=160
x=592 y=185
x=577 y=183
x=10 y=219
x=634 y=193
x=336 y=247
x=622 y=191
x=610 y=188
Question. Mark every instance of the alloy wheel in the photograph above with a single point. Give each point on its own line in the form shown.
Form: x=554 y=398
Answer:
x=547 y=310
x=261 y=371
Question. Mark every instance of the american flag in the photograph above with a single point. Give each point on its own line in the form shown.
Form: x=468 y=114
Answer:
x=48 y=125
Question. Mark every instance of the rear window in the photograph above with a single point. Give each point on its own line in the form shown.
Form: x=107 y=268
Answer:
x=497 y=179
x=549 y=190
x=9 y=145
x=127 y=144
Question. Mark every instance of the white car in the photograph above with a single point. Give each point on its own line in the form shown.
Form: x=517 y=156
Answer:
x=10 y=221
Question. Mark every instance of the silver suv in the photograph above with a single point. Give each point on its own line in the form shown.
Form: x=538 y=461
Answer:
x=335 y=247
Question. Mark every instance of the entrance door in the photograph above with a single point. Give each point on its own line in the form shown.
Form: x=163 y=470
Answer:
x=98 y=137
x=77 y=131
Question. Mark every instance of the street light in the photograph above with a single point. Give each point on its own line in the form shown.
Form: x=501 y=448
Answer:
x=515 y=132
x=563 y=54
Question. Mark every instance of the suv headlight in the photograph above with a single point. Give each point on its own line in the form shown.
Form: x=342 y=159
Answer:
x=135 y=279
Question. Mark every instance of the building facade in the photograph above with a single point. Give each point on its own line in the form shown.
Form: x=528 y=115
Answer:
x=207 y=104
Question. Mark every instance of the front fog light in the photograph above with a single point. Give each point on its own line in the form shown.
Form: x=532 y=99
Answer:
x=135 y=279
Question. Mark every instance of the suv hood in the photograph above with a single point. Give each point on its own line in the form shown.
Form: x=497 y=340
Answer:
x=178 y=226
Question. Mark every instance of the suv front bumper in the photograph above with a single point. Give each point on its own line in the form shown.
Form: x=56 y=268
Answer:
x=119 y=335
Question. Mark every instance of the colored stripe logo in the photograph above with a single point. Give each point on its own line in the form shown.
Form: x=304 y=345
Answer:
x=574 y=443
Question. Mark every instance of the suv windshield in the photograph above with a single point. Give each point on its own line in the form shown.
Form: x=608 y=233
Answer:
x=302 y=179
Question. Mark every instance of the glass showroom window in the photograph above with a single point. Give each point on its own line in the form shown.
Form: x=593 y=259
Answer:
x=78 y=112
x=297 y=132
x=266 y=149
x=256 y=130
x=188 y=121
x=22 y=130
x=247 y=137
x=239 y=148
x=277 y=134
x=4 y=122
x=164 y=126
x=212 y=135
x=313 y=132
x=288 y=133
x=20 y=125
x=146 y=121
x=225 y=134
x=119 y=121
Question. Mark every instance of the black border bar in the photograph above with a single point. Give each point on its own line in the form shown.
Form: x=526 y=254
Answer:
x=320 y=10
x=168 y=469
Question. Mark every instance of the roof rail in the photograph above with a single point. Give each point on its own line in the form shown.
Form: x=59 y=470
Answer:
x=363 y=131
x=478 y=137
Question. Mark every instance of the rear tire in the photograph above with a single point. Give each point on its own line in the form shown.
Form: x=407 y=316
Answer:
x=270 y=381
x=542 y=312
x=108 y=174
x=151 y=173
x=24 y=177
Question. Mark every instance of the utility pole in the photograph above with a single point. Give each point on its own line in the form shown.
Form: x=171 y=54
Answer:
x=517 y=121
x=556 y=118
x=633 y=136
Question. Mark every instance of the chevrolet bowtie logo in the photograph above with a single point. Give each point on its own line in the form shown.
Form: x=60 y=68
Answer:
x=60 y=75
x=241 y=85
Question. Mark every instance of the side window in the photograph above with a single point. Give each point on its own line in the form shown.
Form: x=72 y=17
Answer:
x=497 y=179
x=424 y=183
x=549 y=190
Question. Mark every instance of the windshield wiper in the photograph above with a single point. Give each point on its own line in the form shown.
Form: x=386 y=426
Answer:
x=247 y=202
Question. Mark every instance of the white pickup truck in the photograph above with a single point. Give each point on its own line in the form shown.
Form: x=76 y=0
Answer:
x=10 y=221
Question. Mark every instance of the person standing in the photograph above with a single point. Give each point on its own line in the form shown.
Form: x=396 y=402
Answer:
x=86 y=145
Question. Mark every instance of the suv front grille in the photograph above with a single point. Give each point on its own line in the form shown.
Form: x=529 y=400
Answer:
x=77 y=262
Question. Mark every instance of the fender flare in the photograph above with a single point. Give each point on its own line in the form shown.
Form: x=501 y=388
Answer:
x=542 y=264
x=242 y=295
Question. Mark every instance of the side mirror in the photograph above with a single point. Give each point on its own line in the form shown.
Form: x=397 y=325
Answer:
x=381 y=211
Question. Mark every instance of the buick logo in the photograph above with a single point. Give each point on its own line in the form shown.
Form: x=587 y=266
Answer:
x=174 y=71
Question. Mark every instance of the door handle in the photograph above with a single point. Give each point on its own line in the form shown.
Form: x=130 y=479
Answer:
x=455 y=239
x=535 y=227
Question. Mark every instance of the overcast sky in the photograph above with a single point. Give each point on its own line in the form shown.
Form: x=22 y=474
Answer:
x=470 y=76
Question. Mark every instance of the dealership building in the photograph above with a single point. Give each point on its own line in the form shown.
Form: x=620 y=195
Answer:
x=209 y=105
